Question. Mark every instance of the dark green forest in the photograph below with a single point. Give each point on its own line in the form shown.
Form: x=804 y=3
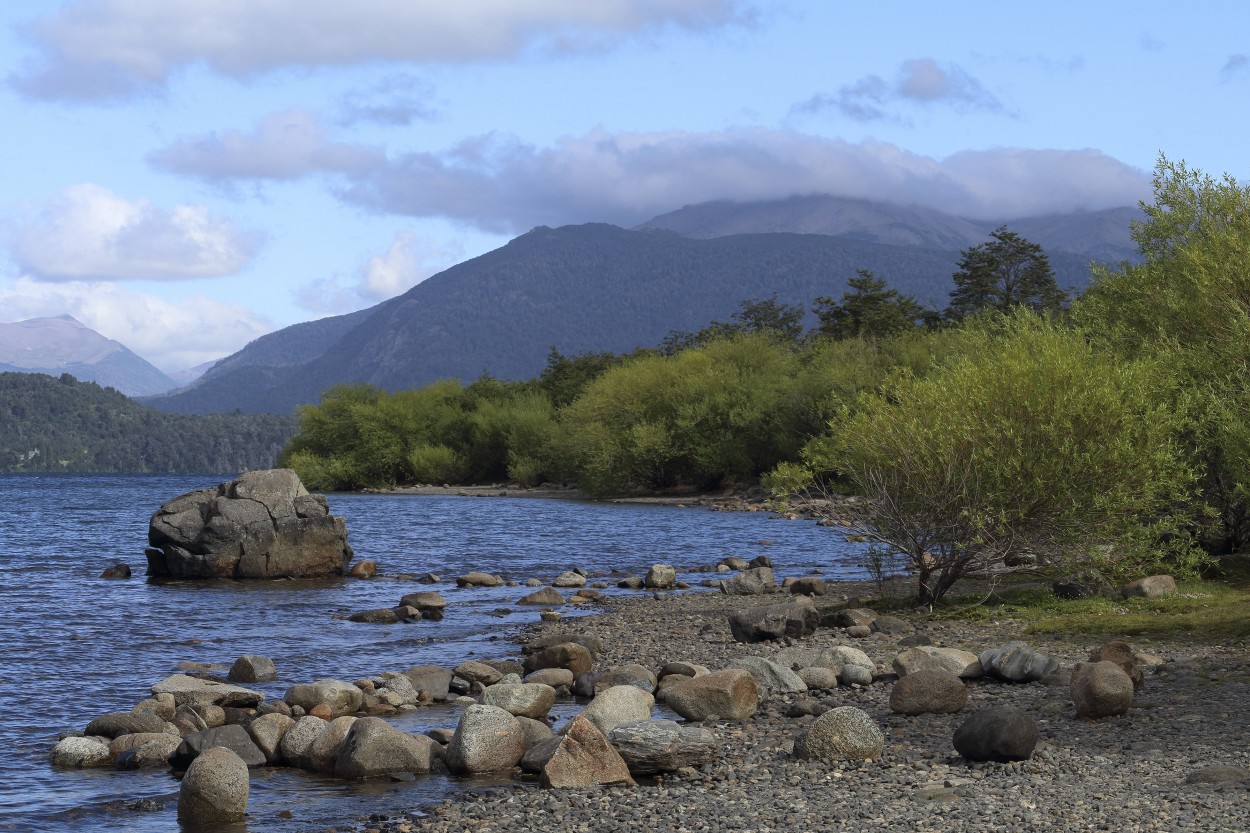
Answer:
x=62 y=424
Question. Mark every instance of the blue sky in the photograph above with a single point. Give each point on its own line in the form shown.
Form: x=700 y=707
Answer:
x=187 y=175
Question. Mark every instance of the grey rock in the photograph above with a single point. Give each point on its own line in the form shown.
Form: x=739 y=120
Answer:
x=770 y=677
x=342 y=698
x=118 y=570
x=854 y=616
x=649 y=747
x=633 y=674
x=844 y=733
x=754 y=581
x=660 y=577
x=478 y=672
x=123 y=723
x=263 y=524
x=324 y=752
x=432 y=679
x=816 y=678
x=375 y=616
x=424 y=600
x=1016 y=662
x=146 y=750
x=531 y=700
x=759 y=624
x=892 y=626
x=569 y=655
x=547 y=596
x=1001 y=734
x=617 y=705
x=234 y=738
x=267 y=732
x=1101 y=689
x=569 y=579
x=928 y=691
x=82 y=753
x=192 y=691
x=215 y=788
x=555 y=677
x=962 y=664
x=297 y=743
x=479 y=579
x=1151 y=587
x=487 y=739
x=373 y=748
x=252 y=669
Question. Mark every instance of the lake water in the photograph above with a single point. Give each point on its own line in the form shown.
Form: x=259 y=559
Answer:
x=76 y=646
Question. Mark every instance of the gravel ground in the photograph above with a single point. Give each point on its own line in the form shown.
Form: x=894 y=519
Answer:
x=1146 y=771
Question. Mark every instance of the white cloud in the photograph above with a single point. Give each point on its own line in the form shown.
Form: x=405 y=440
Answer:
x=109 y=48
x=396 y=100
x=920 y=80
x=502 y=185
x=407 y=261
x=285 y=145
x=173 y=336
x=87 y=232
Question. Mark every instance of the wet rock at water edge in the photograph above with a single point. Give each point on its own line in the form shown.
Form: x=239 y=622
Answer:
x=373 y=748
x=264 y=524
x=215 y=788
x=118 y=570
x=660 y=577
x=234 y=738
x=82 y=753
x=487 y=739
x=252 y=668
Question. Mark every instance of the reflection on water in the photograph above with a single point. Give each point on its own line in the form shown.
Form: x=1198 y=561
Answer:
x=77 y=646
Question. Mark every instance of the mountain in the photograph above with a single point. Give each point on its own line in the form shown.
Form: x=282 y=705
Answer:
x=63 y=345
x=580 y=288
x=61 y=424
x=1098 y=235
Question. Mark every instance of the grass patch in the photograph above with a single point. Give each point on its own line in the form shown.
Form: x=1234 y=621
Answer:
x=1200 y=609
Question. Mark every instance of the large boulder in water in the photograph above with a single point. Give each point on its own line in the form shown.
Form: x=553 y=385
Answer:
x=263 y=524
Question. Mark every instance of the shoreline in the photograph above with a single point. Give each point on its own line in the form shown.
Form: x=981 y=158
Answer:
x=1129 y=773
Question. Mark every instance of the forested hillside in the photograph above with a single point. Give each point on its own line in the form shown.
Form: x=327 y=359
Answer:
x=61 y=424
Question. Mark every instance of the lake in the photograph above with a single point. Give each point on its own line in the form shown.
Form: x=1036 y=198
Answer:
x=77 y=646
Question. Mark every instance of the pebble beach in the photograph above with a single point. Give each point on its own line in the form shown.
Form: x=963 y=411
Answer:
x=1177 y=761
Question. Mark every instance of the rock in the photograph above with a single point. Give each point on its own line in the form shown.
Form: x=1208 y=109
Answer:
x=999 y=734
x=375 y=616
x=815 y=677
x=758 y=624
x=234 y=738
x=851 y=617
x=1101 y=689
x=631 y=583
x=267 y=732
x=297 y=743
x=263 y=524
x=733 y=562
x=487 y=739
x=632 y=674
x=1016 y=662
x=535 y=731
x=1219 y=774
x=928 y=691
x=687 y=669
x=118 y=570
x=431 y=679
x=964 y=664
x=554 y=677
x=478 y=672
x=1123 y=655
x=570 y=655
x=425 y=601
x=341 y=698
x=753 y=581
x=147 y=750
x=770 y=677
x=1081 y=585
x=569 y=579
x=583 y=759
x=546 y=596
x=916 y=640
x=187 y=721
x=809 y=586
x=114 y=724
x=892 y=626
x=373 y=748
x=649 y=747
x=363 y=569
x=660 y=577
x=215 y=788
x=401 y=686
x=252 y=669
x=162 y=705
x=844 y=733
x=324 y=752
x=82 y=753
x=854 y=666
x=479 y=579
x=617 y=705
x=591 y=643
x=192 y=691
x=531 y=700
x=1151 y=587
x=731 y=694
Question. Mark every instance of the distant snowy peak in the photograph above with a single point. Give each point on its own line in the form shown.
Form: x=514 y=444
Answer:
x=62 y=344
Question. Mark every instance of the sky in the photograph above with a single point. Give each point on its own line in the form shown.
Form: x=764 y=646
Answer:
x=185 y=176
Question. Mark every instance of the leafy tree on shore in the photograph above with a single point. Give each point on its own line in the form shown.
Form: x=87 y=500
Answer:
x=1006 y=272
x=767 y=316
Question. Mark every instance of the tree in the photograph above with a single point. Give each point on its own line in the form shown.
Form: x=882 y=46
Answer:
x=1188 y=304
x=781 y=322
x=1030 y=441
x=1006 y=272
x=867 y=310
